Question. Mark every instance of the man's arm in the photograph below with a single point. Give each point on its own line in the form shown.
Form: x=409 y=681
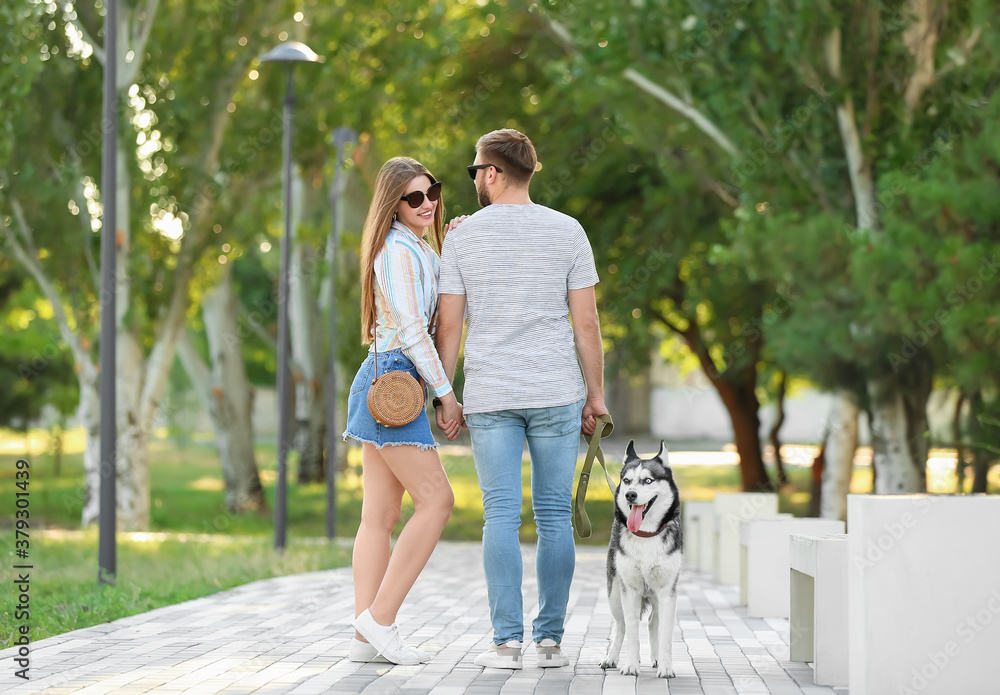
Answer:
x=448 y=340
x=448 y=337
x=587 y=332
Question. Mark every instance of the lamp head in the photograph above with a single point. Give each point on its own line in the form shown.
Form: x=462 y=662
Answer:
x=291 y=51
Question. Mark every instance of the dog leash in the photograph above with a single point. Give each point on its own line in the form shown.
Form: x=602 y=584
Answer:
x=604 y=428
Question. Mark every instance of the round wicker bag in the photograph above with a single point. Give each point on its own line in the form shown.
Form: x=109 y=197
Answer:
x=395 y=399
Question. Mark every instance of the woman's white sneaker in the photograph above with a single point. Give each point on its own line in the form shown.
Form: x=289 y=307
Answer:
x=365 y=653
x=501 y=656
x=387 y=642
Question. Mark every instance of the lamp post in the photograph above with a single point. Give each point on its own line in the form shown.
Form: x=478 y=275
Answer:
x=290 y=52
x=107 y=516
x=339 y=139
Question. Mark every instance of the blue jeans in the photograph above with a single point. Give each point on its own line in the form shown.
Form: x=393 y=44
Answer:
x=497 y=445
x=360 y=423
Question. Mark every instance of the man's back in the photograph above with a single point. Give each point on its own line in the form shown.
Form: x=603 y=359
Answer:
x=515 y=264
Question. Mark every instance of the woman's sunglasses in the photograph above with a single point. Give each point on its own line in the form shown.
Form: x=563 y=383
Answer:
x=416 y=199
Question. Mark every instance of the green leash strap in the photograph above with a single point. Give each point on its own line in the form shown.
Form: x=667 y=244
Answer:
x=604 y=427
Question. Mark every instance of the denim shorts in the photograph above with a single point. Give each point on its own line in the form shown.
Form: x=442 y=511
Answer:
x=360 y=423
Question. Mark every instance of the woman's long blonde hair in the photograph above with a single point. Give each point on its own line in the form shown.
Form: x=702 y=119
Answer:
x=390 y=185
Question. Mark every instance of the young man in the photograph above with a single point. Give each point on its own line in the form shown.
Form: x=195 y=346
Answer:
x=521 y=271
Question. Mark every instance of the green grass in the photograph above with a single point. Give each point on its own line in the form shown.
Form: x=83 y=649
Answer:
x=65 y=594
x=187 y=498
x=188 y=495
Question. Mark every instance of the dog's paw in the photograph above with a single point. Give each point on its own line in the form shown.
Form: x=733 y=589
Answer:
x=609 y=662
x=665 y=672
x=630 y=669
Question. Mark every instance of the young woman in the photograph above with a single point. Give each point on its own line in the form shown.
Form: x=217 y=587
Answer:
x=399 y=275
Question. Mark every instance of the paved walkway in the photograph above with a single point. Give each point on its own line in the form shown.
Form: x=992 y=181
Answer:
x=290 y=635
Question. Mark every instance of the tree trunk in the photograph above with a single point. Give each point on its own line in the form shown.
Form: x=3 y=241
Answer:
x=899 y=427
x=228 y=398
x=232 y=400
x=132 y=462
x=58 y=431
x=956 y=436
x=981 y=457
x=309 y=370
x=743 y=407
x=841 y=444
x=816 y=480
x=779 y=420
x=89 y=414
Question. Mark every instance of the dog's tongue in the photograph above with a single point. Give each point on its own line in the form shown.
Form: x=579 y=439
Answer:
x=635 y=517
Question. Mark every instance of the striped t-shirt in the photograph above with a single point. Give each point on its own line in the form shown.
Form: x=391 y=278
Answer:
x=406 y=270
x=515 y=264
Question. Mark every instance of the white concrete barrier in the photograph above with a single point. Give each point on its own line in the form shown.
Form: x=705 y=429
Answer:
x=764 y=548
x=923 y=594
x=699 y=534
x=743 y=556
x=818 y=605
x=732 y=508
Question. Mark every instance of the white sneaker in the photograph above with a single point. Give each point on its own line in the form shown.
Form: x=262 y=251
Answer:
x=386 y=641
x=549 y=654
x=364 y=652
x=501 y=656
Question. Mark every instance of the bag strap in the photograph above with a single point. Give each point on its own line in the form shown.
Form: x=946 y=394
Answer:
x=375 y=320
x=430 y=328
x=605 y=427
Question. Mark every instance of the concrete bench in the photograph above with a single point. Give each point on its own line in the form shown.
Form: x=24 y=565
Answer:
x=699 y=535
x=731 y=509
x=923 y=594
x=818 y=607
x=764 y=548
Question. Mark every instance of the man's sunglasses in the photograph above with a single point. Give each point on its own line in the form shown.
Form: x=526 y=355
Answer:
x=416 y=199
x=475 y=167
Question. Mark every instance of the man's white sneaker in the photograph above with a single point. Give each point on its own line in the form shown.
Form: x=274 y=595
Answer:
x=386 y=640
x=501 y=656
x=549 y=654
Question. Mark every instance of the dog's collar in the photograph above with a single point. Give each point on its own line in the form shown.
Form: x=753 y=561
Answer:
x=650 y=534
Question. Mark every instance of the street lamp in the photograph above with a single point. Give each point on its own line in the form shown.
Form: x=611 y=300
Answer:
x=339 y=139
x=107 y=557
x=290 y=52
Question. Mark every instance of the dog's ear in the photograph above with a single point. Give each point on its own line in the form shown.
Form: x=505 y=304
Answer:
x=630 y=451
x=662 y=454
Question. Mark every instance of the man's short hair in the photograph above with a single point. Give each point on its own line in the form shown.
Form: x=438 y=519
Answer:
x=510 y=150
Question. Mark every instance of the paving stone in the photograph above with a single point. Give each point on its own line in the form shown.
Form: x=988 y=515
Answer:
x=291 y=635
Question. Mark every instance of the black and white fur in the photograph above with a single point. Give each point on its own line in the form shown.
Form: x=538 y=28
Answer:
x=643 y=572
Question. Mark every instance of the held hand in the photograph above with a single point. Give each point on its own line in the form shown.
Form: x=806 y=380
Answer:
x=591 y=409
x=449 y=417
x=455 y=221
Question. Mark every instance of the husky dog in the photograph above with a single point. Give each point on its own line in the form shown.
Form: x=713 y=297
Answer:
x=644 y=562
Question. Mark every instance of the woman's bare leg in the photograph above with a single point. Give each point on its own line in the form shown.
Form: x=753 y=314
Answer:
x=420 y=472
x=380 y=507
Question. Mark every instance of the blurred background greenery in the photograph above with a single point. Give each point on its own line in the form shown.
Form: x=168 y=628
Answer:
x=777 y=195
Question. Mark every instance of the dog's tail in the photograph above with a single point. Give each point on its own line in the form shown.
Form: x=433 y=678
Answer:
x=647 y=607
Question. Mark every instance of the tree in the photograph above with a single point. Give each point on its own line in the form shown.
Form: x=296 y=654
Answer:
x=741 y=69
x=34 y=370
x=179 y=172
x=937 y=267
x=226 y=394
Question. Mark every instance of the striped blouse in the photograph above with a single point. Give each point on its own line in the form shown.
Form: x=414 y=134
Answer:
x=406 y=279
